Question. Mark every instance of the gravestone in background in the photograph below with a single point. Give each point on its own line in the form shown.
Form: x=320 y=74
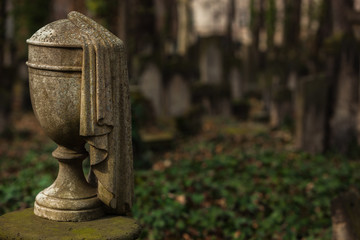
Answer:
x=151 y=86
x=311 y=114
x=178 y=96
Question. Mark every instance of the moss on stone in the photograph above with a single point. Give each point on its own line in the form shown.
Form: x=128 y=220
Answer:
x=87 y=233
x=25 y=225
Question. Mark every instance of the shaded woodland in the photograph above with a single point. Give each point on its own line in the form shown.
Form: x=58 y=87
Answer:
x=246 y=113
x=297 y=59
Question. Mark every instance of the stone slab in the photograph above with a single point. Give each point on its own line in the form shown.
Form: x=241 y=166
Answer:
x=25 y=225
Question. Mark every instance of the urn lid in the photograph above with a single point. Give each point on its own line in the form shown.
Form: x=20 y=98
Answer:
x=61 y=33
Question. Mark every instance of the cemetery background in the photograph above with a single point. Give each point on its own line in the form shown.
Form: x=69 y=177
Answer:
x=245 y=112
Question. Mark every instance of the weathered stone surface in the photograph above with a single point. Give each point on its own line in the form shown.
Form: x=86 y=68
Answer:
x=80 y=94
x=26 y=226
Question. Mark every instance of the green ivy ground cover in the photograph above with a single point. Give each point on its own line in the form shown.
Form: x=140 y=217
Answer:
x=233 y=181
x=240 y=183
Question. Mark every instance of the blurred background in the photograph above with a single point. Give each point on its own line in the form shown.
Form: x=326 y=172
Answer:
x=246 y=115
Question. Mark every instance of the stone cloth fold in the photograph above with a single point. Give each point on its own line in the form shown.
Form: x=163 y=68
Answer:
x=105 y=116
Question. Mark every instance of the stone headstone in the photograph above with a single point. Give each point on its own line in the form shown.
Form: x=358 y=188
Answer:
x=211 y=64
x=311 y=114
x=178 y=95
x=151 y=86
x=236 y=84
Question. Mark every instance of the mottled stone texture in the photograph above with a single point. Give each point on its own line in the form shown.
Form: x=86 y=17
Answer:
x=80 y=94
x=25 y=225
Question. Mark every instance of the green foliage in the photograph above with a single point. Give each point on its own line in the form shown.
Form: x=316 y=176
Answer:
x=33 y=173
x=242 y=193
x=229 y=183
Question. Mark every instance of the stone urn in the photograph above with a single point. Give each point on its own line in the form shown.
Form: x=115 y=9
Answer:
x=63 y=85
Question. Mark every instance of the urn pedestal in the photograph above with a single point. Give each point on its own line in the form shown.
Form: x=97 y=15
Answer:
x=70 y=197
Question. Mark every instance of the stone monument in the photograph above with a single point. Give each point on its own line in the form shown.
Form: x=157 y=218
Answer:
x=80 y=95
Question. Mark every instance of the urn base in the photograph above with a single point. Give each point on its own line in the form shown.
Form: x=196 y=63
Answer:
x=70 y=198
x=66 y=215
x=68 y=210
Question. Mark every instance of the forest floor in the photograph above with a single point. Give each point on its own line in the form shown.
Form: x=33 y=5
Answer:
x=233 y=180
